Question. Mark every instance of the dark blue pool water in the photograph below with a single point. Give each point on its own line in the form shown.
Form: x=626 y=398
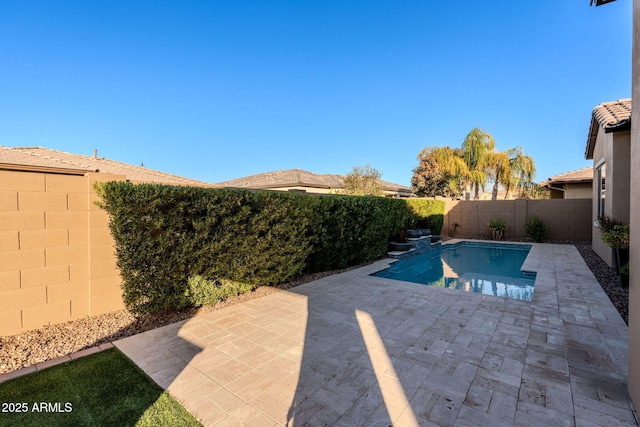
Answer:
x=491 y=269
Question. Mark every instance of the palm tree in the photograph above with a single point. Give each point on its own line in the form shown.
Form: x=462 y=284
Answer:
x=477 y=149
x=499 y=171
x=511 y=169
x=471 y=166
x=523 y=170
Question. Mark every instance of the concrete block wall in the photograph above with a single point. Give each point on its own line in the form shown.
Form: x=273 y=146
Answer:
x=566 y=219
x=57 y=260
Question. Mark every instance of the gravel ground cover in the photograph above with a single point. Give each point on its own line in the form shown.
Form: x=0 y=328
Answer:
x=609 y=280
x=31 y=347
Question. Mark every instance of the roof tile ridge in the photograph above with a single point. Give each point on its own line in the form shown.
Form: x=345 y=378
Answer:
x=144 y=169
x=575 y=170
x=51 y=154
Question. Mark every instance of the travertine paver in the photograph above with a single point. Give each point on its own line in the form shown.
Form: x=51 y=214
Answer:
x=353 y=349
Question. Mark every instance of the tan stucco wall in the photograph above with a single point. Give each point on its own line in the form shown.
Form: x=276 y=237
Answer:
x=634 y=249
x=621 y=176
x=57 y=258
x=578 y=191
x=614 y=150
x=566 y=219
x=556 y=194
x=605 y=252
x=572 y=191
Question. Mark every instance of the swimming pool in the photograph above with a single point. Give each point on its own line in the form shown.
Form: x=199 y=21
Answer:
x=487 y=268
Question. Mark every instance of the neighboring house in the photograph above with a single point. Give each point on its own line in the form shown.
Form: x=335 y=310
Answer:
x=40 y=159
x=297 y=180
x=609 y=146
x=576 y=184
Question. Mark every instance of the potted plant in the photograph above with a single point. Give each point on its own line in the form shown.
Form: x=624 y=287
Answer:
x=606 y=223
x=497 y=228
x=618 y=238
x=624 y=275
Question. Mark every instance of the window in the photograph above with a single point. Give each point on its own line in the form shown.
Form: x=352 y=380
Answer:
x=601 y=175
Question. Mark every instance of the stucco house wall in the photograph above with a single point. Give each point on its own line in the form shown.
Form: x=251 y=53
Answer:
x=613 y=151
x=578 y=191
x=609 y=146
x=572 y=191
x=576 y=184
x=634 y=238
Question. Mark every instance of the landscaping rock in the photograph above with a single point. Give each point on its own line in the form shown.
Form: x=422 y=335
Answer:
x=609 y=280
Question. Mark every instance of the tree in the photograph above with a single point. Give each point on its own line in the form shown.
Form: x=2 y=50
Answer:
x=429 y=180
x=512 y=169
x=499 y=171
x=363 y=181
x=477 y=149
x=531 y=190
x=461 y=177
x=473 y=165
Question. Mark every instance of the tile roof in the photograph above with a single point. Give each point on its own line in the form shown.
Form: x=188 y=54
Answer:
x=41 y=157
x=576 y=176
x=611 y=116
x=283 y=178
x=299 y=177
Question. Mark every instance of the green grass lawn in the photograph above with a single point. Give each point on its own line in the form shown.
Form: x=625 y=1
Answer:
x=103 y=389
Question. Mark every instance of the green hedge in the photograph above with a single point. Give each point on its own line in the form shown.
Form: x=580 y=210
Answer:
x=429 y=211
x=175 y=245
x=347 y=230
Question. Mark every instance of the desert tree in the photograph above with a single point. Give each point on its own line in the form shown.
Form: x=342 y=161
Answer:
x=363 y=181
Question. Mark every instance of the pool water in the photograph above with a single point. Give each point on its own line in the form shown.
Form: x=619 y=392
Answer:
x=490 y=269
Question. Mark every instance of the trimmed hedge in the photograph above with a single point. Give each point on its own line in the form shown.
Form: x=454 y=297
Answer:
x=430 y=211
x=348 y=230
x=188 y=246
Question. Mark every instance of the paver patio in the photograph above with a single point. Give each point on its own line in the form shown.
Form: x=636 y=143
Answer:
x=352 y=349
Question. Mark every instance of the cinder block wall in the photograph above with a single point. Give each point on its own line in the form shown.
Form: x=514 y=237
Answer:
x=566 y=219
x=57 y=259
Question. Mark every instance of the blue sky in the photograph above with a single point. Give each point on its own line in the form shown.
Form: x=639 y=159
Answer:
x=216 y=90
